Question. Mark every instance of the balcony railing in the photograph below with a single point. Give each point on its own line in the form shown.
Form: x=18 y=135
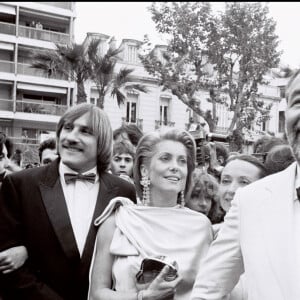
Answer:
x=40 y=108
x=7 y=66
x=45 y=35
x=7 y=28
x=159 y=124
x=26 y=69
x=65 y=5
x=25 y=141
x=6 y=104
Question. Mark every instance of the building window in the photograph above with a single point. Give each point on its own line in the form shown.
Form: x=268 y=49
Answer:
x=131 y=107
x=282 y=91
x=281 y=121
x=164 y=111
x=132 y=54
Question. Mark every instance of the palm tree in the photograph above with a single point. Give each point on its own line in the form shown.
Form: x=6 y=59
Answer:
x=80 y=63
x=103 y=75
x=70 y=61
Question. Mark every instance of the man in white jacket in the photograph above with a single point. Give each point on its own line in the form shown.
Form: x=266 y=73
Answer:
x=261 y=232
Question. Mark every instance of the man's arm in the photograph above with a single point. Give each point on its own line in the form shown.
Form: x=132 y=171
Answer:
x=221 y=269
x=23 y=282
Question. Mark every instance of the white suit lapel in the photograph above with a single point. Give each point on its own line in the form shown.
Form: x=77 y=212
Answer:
x=277 y=224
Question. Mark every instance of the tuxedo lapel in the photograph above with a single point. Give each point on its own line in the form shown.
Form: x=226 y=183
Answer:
x=107 y=191
x=55 y=204
x=277 y=224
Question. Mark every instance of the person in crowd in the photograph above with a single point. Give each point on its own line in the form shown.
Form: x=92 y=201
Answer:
x=16 y=158
x=264 y=144
x=222 y=153
x=279 y=158
x=47 y=151
x=160 y=226
x=128 y=132
x=204 y=196
x=239 y=171
x=6 y=165
x=122 y=160
x=50 y=210
x=260 y=234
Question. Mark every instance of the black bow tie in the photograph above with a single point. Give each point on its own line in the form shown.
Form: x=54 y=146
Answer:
x=298 y=193
x=69 y=177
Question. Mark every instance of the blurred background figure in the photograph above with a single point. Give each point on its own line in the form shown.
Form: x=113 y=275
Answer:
x=222 y=153
x=6 y=165
x=264 y=144
x=123 y=159
x=47 y=151
x=279 y=158
x=17 y=157
x=203 y=196
x=128 y=132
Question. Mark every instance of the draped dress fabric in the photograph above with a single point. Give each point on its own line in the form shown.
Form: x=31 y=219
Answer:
x=142 y=231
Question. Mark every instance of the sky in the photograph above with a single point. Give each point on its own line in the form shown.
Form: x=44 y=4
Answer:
x=132 y=20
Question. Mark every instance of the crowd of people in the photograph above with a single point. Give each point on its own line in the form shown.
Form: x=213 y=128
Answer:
x=105 y=206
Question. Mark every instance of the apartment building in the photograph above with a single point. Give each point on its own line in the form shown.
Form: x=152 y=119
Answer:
x=31 y=103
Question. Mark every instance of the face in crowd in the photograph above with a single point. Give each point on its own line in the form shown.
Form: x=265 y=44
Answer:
x=292 y=117
x=4 y=161
x=167 y=170
x=48 y=155
x=236 y=173
x=122 y=164
x=77 y=144
x=199 y=202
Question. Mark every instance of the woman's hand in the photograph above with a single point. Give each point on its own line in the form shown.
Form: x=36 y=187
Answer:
x=12 y=259
x=159 y=288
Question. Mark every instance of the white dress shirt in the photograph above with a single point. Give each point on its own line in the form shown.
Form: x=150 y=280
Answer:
x=81 y=197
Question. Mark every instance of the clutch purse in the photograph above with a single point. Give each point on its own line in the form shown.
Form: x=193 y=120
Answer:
x=151 y=267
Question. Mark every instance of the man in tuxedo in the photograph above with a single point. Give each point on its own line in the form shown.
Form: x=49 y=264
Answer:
x=261 y=232
x=50 y=210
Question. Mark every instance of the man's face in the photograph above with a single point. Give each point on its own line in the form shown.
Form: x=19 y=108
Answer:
x=292 y=117
x=3 y=160
x=77 y=145
x=48 y=155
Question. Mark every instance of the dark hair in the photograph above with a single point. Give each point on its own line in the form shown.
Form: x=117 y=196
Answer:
x=279 y=158
x=147 y=146
x=100 y=124
x=47 y=144
x=252 y=160
x=208 y=186
x=124 y=147
x=133 y=132
x=221 y=150
x=287 y=87
x=4 y=140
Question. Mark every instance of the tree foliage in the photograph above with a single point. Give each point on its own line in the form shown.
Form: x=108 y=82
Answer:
x=239 y=43
x=81 y=62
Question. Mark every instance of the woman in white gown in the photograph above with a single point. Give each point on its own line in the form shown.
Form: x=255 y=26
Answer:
x=129 y=233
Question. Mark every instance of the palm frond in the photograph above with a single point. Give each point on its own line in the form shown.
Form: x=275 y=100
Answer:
x=119 y=95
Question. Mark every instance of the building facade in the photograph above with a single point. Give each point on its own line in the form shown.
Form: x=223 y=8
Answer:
x=31 y=102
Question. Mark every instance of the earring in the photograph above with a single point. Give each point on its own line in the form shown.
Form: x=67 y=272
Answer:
x=182 y=201
x=145 y=182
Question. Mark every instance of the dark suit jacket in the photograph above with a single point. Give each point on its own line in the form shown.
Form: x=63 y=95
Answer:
x=33 y=213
